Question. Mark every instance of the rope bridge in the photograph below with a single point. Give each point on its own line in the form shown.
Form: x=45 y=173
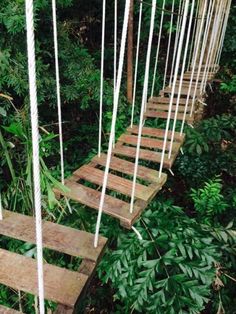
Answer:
x=119 y=184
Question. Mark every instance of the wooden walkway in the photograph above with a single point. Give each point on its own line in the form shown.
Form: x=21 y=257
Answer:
x=85 y=184
x=66 y=287
x=62 y=286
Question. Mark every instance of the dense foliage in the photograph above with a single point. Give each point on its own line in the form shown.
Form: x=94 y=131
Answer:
x=186 y=262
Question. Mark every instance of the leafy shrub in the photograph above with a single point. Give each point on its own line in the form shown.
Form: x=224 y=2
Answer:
x=169 y=271
x=209 y=203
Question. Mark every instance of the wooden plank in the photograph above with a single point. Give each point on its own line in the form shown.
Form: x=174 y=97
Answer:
x=112 y=206
x=56 y=237
x=60 y=285
x=144 y=154
x=159 y=133
x=184 y=91
x=145 y=142
x=165 y=107
x=127 y=167
x=5 y=310
x=115 y=183
x=164 y=115
x=166 y=100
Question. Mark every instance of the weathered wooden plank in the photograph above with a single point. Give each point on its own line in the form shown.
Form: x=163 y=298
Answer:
x=87 y=268
x=145 y=142
x=112 y=206
x=166 y=100
x=164 y=115
x=115 y=183
x=60 y=285
x=56 y=237
x=5 y=310
x=127 y=167
x=159 y=133
x=144 y=154
x=165 y=107
x=184 y=91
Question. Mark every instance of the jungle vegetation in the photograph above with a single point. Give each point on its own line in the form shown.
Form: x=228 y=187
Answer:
x=187 y=260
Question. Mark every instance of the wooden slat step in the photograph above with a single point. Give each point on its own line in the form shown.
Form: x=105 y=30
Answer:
x=166 y=100
x=153 y=132
x=5 y=310
x=127 y=167
x=165 y=107
x=112 y=206
x=60 y=285
x=164 y=115
x=184 y=91
x=145 y=142
x=115 y=183
x=144 y=154
x=56 y=237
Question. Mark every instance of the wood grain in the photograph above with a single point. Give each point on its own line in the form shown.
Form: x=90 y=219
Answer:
x=60 y=285
x=114 y=182
x=127 y=167
x=56 y=237
x=158 y=133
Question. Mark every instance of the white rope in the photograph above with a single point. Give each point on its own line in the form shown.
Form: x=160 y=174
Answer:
x=158 y=48
x=136 y=63
x=1 y=211
x=178 y=57
x=114 y=116
x=224 y=25
x=179 y=22
x=220 y=28
x=137 y=233
x=102 y=78
x=145 y=88
x=193 y=36
x=195 y=51
x=199 y=34
x=214 y=41
x=58 y=89
x=35 y=145
x=211 y=46
x=224 y=32
x=169 y=42
x=181 y=78
x=204 y=43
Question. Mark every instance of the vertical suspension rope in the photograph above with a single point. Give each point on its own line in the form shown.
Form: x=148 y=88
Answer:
x=158 y=48
x=178 y=57
x=58 y=89
x=102 y=78
x=225 y=14
x=35 y=145
x=193 y=66
x=169 y=43
x=224 y=32
x=204 y=42
x=193 y=36
x=114 y=116
x=210 y=47
x=181 y=78
x=145 y=88
x=214 y=40
x=179 y=22
x=136 y=63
